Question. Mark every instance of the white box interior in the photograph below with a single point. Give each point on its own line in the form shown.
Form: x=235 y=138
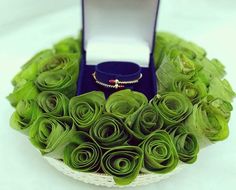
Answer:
x=119 y=30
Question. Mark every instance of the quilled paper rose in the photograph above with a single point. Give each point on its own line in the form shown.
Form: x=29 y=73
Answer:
x=52 y=134
x=68 y=45
x=123 y=163
x=125 y=103
x=83 y=153
x=86 y=109
x=144 y=122
x=26 y=91
x=210 y=119
x=109 y=131
x=29 y=70
x=66 y=62
x=60 y=81
x=54 y=103
x=186 y=143
x=160 y=155
x=27 y=111
x=173 y=107
x=194 y=90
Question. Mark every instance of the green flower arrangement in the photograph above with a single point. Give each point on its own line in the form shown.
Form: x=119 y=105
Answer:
x=125 y=135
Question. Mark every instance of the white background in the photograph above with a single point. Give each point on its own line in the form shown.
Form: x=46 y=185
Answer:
x=27 y=26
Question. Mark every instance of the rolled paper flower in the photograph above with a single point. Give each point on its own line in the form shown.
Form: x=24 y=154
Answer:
x=195 y=91
x=60 y=81
x=30 y=69
x=160 y=155
x=27 y=111
x=26 y=91
x=186 y=143
x=123 y=163
x=67 y=62
x=109 y=131
x=86 y=109
x=144 y=122
x=83 y=153
x=125 y=103
x=68 y=45
x=52 y=134
x=209 y=120
x=54 y=103
x=173 y=107
x=178 y=67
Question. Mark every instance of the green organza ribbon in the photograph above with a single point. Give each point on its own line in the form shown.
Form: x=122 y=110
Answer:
x=123 y=163
x=27 y=111
x=186 y=143
x=68 y=45
x=210 y=119
x=53 y=103
x=86 y=109
x=30 y=69
x=83 y=153
x=125 y=103
x=109 y=131
x=173 y=107
x=26 y=91
x=144 y=122
x=160 y=155
x=52 y=134
x=60 y=81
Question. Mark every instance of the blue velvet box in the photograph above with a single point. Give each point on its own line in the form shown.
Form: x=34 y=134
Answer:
x=118 y=31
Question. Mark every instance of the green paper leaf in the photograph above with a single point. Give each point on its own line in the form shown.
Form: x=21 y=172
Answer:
x=123 y=163
x=53 y=103
x=160 y=155
x=86 y=109
x=68 y=45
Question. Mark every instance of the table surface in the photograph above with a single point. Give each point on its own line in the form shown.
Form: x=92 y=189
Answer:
x=211 y=24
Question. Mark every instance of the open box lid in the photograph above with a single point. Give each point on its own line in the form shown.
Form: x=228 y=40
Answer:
x=119 y=30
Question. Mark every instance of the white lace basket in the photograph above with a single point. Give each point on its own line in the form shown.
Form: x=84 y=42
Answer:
x=107 y=181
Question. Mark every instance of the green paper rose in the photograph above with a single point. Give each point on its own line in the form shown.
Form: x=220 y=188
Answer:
x=125 y=103
x=53 y=103
x=123 y=163
x=29 y=71
x=210 y=119
x=26 y=91
x=86 y=109
x=109 y=131
x=60 y=81
x=68 y=45
x=52 y=134
x=186 y=143
x=83 y=153
x=160 y=155
x=144 y=122
x=173 y=107
x=27 y=111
